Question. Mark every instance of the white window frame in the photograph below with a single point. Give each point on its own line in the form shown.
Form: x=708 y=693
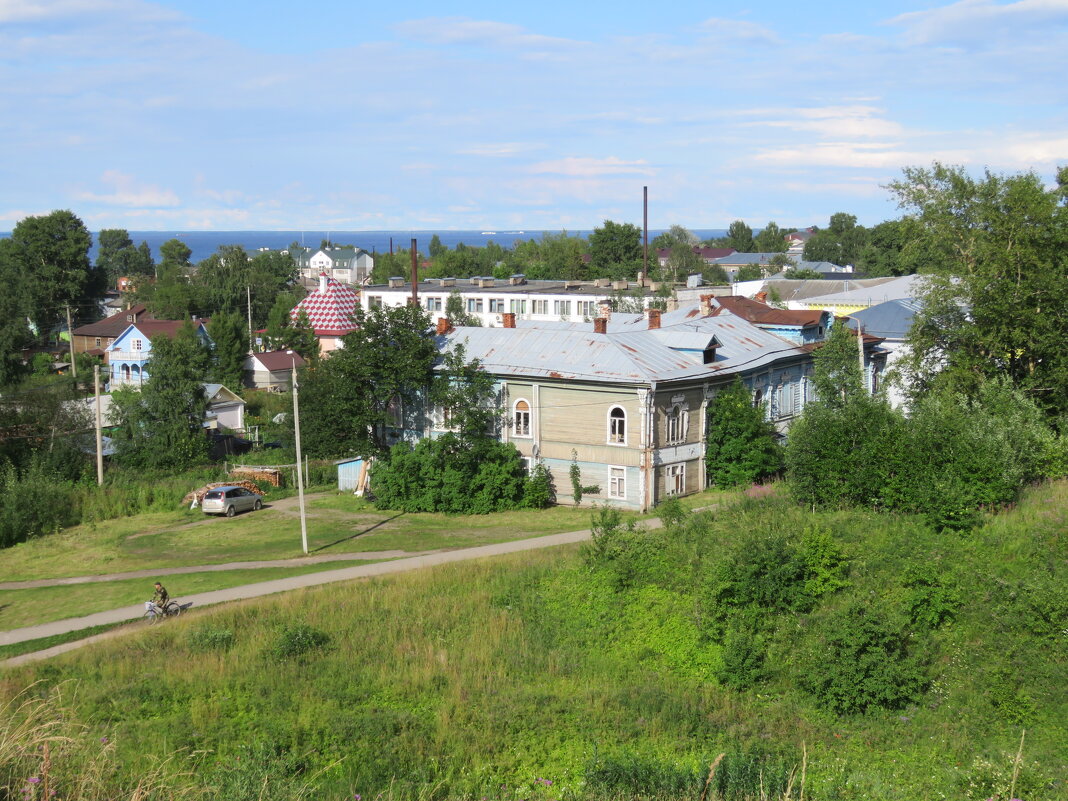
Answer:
x=678 y=424
x=587 y=308
x=496 y=305
x=135 y=344
x=617 y=482
x=562 y=308
x=517 y=305
x=539 y=306
x=474 y=305
x=614 y=437
x=522 y=431
x=675 y=479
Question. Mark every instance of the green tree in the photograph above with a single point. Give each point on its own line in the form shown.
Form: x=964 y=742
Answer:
x=681 y=262
x=161 y=425
x=842 y=242
x=117 y=257
x=749 y=272
x=676 y=235
x=456 y=313
x=51 y=253
x=467 y=394
x=14 y=332
x=436 y=248
x=998 y=304
x=836 y=373
x=174 y=254
x=615 y=249
x=740 y=237
x=230 y=335
x=740 y=447
x=387 y=360
x=771 y=239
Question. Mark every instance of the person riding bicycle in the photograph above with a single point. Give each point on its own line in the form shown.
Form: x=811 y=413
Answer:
x=161 y=598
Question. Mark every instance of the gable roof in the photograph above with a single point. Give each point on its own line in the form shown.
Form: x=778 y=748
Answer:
x=893 y=289
x=277 y=360
x=330 y=311
x=115 y=324
x=627 y=354
x=762 y=314
x=890 y=320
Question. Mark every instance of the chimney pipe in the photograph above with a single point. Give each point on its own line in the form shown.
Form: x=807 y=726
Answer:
x=654 y=319
x=415 y=275
x=322 y=283
x=761 y=297
x=444 y=326
x=645 y=228
x=706 y=305
x=508 y=319
x=600 y=325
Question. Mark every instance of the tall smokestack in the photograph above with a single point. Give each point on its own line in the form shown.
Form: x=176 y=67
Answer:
x=415 y=275
x=645 y=228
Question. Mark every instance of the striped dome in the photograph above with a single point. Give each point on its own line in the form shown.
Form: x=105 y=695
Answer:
x=329 y=308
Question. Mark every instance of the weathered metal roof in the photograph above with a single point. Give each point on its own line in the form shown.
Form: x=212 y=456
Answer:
x=624 y=354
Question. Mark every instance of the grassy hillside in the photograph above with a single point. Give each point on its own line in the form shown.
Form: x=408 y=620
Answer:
x=860 y=654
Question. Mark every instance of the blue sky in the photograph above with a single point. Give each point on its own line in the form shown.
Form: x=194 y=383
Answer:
x=353 y=115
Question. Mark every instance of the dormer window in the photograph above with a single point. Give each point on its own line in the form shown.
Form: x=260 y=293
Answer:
x=135 y=344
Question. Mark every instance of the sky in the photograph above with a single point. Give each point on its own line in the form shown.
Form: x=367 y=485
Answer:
x=272 y=114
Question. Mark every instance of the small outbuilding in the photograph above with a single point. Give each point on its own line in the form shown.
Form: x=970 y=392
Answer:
x=272 y=370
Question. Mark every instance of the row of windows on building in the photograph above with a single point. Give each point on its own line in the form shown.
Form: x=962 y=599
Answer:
x=479 y=305
x=678 y=423
x=674 y=480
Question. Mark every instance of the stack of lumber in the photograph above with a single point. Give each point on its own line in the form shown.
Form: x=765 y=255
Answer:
x=268 y=475
x=198 y=494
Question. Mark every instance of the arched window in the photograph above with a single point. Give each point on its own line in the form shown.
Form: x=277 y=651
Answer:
x=135 y=374
x=617 y=426
x=521 y=418
x=677 y=423
x=758 y=398
x=126 y=372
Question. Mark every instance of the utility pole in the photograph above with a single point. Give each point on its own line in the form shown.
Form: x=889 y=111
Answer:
x=99 y=435
x=248 y=296
x=70 y=338
x=300 y=472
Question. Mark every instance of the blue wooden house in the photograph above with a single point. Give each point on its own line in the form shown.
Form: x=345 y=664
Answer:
x=128 y=355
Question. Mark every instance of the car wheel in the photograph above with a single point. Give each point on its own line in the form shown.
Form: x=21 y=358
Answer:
x=257 y=505
x=230 y=511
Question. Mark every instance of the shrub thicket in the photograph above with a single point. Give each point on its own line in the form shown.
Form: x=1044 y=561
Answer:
x=740 y=447
x=447 y=474
x=952 y=456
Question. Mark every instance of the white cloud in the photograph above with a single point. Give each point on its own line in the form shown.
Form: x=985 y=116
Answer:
x=739 y=30
x=855 y=155
x=500 y=149
x=50 y=10
x=465 y=31
x=979 y=20
x=127 y=192
x=586 y=167
x=839 y=122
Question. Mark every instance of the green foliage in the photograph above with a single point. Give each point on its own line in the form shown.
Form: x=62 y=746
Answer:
x=771 y=239
x=386 y=360
x=447 y=474
x=211 y=638
x=161 y=424
x=574 y=473
x=740 y=446
x=456 y=313
x=749 y=272
x=261 y=771
x=297 y=641
x=230 y=336
x=842 y=242
x=862 y=661
x=931 y=599
x=740 y=237
x=837 y=375
x=50 y=254
x=43 y=503
x=539 y=492
x=996 y=305
x=615 y=250
x=467 y=395
x=117 y=257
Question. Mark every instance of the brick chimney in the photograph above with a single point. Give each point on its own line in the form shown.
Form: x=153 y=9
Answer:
x=508 y=319
x=654 y=319
x=444 y=326
x=706 y=305
x=761 y=297
x=600 y=325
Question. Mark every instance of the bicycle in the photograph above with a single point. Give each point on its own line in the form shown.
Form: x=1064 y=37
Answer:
x=153 y=612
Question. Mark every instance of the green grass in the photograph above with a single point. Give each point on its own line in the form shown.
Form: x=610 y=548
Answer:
x=491 y=678
x=38 y=605
x=42 y=643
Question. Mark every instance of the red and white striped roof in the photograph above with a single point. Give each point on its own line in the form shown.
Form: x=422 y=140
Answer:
x=329 y=308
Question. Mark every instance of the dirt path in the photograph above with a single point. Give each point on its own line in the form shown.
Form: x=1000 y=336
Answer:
x=361 y=556
x=278 y=585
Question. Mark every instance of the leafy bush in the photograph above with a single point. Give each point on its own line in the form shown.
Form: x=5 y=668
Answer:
x=211 y=638
x=862 y=661
x=36 y=503
x=740 y=447
x=297 y=640
x=448 y=475
x=539 y=492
